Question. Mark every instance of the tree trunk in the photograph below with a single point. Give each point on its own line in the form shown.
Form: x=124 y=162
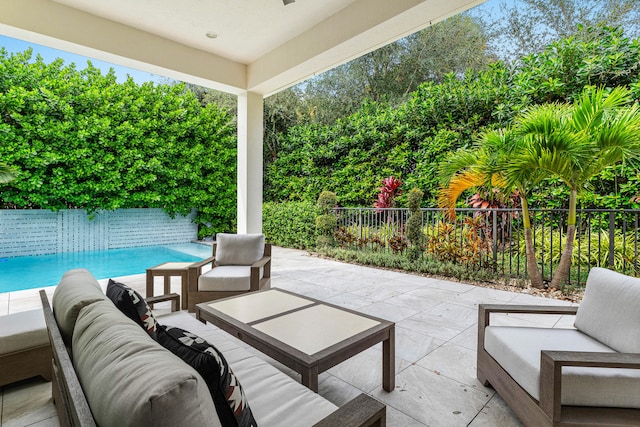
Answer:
x=532 y=264
x=564 y=267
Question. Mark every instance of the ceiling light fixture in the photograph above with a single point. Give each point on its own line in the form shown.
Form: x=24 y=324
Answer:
x=286 y=2
x=212 y=35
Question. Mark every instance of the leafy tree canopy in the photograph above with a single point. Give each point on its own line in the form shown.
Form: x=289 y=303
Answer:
x=409 y=141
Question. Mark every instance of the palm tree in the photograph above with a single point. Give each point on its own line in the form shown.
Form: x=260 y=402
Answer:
x=576 y=143
x=7 y=173
x=488 y=165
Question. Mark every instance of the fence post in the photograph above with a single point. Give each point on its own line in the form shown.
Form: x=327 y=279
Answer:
x=494 y=236
x=612 y=238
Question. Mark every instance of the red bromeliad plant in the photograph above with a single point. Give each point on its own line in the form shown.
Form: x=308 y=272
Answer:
x=389 y=190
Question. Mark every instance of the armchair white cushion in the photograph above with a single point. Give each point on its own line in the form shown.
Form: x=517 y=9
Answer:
x=239 y=249
x=609 y=308
x=227 y=278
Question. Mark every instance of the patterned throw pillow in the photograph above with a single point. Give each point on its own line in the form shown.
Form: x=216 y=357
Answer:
x=228 y=396
x=132 y=305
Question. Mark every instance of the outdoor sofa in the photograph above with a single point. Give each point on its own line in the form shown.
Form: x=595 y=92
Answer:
x=110 y=371
x=588 y=375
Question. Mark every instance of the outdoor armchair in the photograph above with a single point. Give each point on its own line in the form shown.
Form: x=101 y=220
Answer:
x=240 y=263
x=586 y=375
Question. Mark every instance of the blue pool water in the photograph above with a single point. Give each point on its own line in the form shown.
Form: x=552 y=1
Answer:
x=30 y=272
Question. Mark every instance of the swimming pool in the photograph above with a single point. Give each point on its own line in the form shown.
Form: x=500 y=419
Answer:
x=38 y=271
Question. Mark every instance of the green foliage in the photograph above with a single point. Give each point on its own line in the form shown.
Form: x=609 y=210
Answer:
x=415 y=235
x=289 y=224
x=79 y=139
x=462 y=244
x=351 y=156
x=585 y=252
x=326 y=221
x=326 y=201
x=390 y=260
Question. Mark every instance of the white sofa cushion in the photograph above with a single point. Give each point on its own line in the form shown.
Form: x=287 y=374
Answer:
x=275 y=398
x=227 y=278
x=23 y=330
x=610 y=310
x=517 y=350
x=239 y=249
x=131 y=380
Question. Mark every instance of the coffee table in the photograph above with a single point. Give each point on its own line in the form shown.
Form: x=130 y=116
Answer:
x=305 y=334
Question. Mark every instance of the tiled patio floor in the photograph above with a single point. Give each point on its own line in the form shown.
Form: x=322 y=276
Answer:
x=436 y=326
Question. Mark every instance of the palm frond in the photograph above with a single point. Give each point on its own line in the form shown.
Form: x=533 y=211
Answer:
x=7 y=173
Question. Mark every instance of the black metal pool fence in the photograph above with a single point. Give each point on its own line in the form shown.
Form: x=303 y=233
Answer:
x=494 y=238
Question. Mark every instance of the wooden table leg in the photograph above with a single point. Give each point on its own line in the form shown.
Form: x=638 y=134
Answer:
x=185 y=291
x=149 y=284
x=167 y=284
x=389 y=361
x=310 y=378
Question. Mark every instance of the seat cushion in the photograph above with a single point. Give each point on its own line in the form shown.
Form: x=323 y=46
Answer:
x=227 y=278
x=239 y=249
x=609 y=310
x=517 y=350
x=132 y=305
x=22 y=331
x=77 y=289
x=228 y=397
x=276 y=399
x=131 y=380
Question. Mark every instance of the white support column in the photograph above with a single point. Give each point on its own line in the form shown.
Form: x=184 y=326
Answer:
x=250 y=139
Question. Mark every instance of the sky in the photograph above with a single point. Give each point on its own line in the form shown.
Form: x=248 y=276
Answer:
x=49 y=55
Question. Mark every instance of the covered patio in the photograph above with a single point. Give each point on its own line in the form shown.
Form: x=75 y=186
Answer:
x=436 y=335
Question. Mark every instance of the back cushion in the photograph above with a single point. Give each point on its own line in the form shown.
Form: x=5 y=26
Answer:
x=77 y=289
x=239 y=249
x=609 y=311
x=131 y=380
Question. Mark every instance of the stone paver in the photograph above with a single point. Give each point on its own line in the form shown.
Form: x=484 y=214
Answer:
x=436 y=335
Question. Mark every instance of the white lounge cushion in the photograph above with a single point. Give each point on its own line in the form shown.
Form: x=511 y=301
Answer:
x=275 y=398
x=22 y=331
x=131 y=380
x=227 y=278
x=239 y=249
x=517 y=350
x=610 y=310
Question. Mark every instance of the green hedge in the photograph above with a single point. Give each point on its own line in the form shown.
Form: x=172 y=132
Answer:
x=79 y=139
x=290 y=224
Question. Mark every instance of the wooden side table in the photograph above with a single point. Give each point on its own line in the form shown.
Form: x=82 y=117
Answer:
x=169 y=270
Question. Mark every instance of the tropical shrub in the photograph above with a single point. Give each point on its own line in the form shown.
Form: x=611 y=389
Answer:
x=289 y=224
x=326 y=220
x=459 y=243
x=388 y=192
x=415 y=235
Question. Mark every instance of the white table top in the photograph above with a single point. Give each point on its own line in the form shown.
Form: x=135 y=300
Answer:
x=310 y=327
x=259 y=305
x=315 y=328
x=172 y=266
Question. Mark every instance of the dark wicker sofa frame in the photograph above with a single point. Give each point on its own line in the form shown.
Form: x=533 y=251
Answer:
x=73 y=409
x=549 y=411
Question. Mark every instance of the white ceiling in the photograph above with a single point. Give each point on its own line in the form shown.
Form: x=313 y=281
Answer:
x=261 y=46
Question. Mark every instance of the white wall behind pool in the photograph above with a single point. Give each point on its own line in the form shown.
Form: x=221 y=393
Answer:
x=26 y=232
